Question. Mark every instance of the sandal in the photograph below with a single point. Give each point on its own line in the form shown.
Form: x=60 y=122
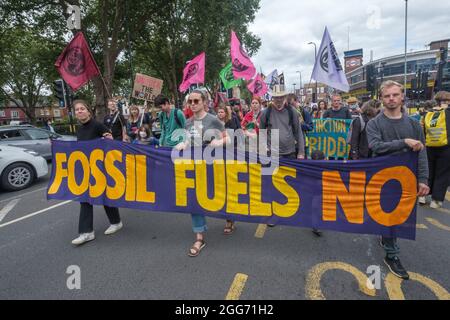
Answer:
x=195 y=249
x=229 y=228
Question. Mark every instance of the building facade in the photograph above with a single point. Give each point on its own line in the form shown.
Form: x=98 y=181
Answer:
x=421 y=75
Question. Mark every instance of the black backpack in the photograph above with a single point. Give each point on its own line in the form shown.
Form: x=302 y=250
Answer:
x=291 y=119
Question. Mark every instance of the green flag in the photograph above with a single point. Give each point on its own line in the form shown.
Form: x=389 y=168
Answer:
x=227 y=77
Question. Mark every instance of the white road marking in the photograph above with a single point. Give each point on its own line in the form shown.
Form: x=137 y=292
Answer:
x=35 y=213
x=23 y=194
x=8 y=208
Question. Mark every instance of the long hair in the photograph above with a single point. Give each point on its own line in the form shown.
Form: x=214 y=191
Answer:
x=227 y=112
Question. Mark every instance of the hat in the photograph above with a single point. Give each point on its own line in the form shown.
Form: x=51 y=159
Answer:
x=352 y=100
x=279 y=91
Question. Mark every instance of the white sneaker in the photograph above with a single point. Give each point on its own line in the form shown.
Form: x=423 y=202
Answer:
x=83 y=238
x=113 y=228
x=435 y=204
x=422 y=200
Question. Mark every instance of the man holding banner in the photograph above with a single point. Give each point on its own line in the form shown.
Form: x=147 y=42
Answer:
x=393 y=132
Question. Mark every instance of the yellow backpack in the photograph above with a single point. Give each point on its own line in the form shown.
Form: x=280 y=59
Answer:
x=436 y=129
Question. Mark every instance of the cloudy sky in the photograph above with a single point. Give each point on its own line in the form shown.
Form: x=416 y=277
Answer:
x=286 y=26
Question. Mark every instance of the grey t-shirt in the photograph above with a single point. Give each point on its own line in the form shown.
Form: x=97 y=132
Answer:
x=202 y=132
x=387 y=136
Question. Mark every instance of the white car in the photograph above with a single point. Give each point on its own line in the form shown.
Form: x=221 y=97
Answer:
x=19 y=168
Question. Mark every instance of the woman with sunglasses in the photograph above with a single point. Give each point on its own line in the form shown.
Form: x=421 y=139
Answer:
x=196 y=127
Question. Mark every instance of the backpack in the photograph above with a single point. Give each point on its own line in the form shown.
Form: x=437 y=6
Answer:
x=291 y=119
x=436 y=129
x=177 y=119
x=291 y=123
x=363 y=127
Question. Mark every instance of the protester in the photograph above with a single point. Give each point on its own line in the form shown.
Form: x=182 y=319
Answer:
x=353 y=106
x=48 y=126
x=187 y=109
x=282 y=117
x=359 y=146
x=437 y=133
x=393 y=132
x=317 y=155
x=136 y=121
x=144 y=137
x=224 y=115
x=115 y=122
x=337 y=111
x=89 y=130
x=170 y=120
x=304 y=117
x=250 y=123
x=196 y=128
x=322 y=107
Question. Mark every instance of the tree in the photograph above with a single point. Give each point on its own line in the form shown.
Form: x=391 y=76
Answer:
x=190 y=27
x=161 y=34
x=26 y=68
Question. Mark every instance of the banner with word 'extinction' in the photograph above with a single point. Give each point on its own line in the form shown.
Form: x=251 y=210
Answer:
x=330 y=137
x=376 y=196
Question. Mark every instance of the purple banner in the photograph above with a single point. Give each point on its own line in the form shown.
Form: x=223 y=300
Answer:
x=376 y=196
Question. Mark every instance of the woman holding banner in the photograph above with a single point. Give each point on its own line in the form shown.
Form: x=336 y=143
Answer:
x=196 y=127
x=90 y=130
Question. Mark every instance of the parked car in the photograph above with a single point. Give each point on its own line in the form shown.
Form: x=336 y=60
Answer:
x=31 y=138
x=19 y=167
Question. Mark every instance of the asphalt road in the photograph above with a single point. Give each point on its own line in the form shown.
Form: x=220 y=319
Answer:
x=148 y=258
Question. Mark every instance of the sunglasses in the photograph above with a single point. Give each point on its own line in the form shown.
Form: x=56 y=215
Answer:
x=194 y=101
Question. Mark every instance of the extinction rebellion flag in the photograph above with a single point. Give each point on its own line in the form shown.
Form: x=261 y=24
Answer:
x=227 y=77
x=194 y=72
x=76 y=65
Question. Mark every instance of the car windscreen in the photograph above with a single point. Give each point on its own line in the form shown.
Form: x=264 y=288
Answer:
x=11 y=135
x=37 y=134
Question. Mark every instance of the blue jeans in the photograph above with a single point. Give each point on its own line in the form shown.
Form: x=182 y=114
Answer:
x=198 y=223
x=390 y=246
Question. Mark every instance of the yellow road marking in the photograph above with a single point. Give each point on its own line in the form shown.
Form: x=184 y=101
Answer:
x=438 y=224
x=395 y=292
x=447 y=196
x=237 y=287
x=313 y=291
x=260 y=231
x=421 y=226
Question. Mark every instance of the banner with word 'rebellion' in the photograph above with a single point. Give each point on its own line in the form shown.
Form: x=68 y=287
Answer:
x=330 y=137
x=376 y=196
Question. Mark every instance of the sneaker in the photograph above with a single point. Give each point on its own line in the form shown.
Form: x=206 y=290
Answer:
x=113 y=228
x=436 y=204
x=83 y=238
x=271 y=225
x=422 y=200
x=396 y=267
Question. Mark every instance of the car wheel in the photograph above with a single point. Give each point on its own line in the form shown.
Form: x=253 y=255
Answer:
x=17 y=176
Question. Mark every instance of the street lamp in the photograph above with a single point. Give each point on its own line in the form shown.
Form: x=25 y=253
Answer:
x=406 y=43
x=315 y=58
x=301 y=84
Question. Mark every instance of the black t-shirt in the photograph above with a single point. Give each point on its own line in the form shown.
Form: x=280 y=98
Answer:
x=115 y=123
x=91 y=130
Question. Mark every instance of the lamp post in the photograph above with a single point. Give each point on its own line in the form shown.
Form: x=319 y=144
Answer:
x=300 y=85
x=406 y=41
x=294 y=87
x=315 y=57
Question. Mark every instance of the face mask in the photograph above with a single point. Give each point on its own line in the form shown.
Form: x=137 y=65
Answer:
x=143 y=134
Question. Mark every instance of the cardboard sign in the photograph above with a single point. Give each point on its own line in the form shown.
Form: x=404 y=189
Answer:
x=146 y=88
